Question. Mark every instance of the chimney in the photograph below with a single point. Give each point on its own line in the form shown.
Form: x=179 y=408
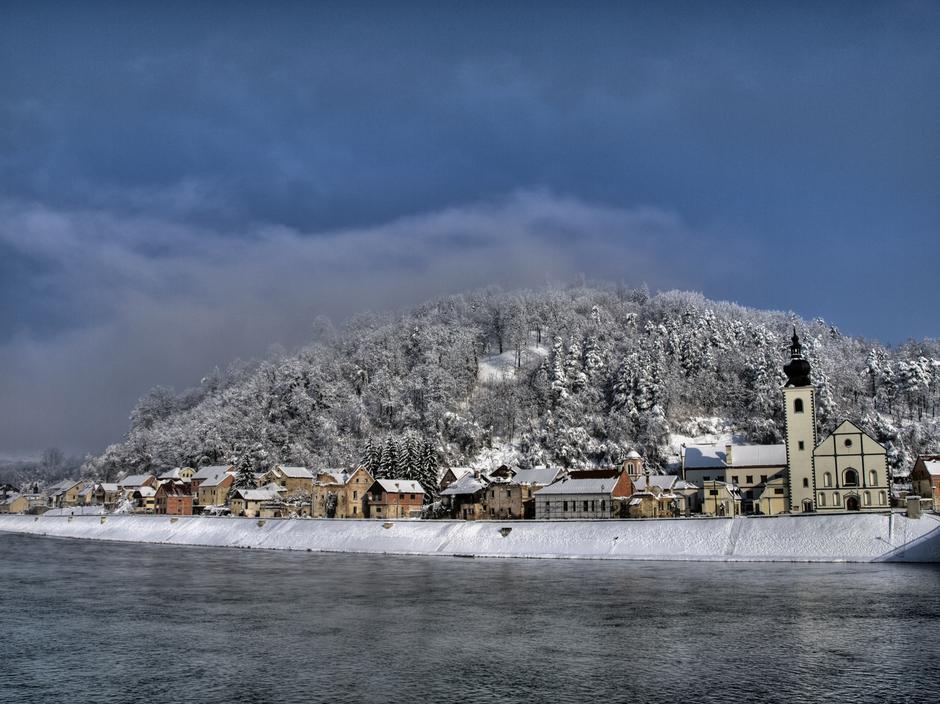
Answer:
x=728 y=459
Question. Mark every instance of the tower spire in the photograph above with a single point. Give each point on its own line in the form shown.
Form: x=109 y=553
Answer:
x=798 y=369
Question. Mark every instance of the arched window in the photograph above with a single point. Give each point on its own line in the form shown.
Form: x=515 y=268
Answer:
x=868 y=498
x=805 y=482
x=798 y=405
x=873 y=478
x=822 y=500
x=882 y=498
x=850 y=477
x=835 y=499
x=827 y=479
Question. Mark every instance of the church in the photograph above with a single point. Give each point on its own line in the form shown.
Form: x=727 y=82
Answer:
x=846 y=471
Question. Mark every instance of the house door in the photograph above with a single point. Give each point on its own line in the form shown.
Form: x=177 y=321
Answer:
x=851 y=503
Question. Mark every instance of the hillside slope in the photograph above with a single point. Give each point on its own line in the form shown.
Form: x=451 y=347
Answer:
x=599 y=371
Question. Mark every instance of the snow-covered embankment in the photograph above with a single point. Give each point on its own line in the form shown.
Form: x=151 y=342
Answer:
x=836 y=538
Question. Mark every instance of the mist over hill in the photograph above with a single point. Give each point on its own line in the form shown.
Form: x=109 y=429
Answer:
x=558 y=376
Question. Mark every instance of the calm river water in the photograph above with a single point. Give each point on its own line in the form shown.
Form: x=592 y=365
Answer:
x=99 y=622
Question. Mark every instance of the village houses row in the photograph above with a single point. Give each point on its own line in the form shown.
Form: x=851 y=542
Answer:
x=845 y=471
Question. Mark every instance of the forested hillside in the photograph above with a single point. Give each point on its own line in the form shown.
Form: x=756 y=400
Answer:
x=572 y=376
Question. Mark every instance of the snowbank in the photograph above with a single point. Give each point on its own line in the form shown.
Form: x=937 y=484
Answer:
x=837 y=538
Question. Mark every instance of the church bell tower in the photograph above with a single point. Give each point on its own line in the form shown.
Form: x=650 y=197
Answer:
x=799 y=399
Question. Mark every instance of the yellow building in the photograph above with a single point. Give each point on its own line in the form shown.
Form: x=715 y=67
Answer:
x=341 y=494
x=14 y=503
x=720 y=499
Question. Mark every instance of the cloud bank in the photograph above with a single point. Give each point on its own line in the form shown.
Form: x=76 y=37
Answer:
x=140 y=301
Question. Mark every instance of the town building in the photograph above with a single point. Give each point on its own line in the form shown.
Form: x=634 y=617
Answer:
x=758 y=471
x=583 y=495
x=214 y=490
x=633 y=464
x=511 y=493
x=173 y=499
x=135 y=481
x=464 y=497
x=295 y=480
x=925 y=478
x=720 y=499
x=395 y=498
x=341 y=494
x=249 y=502
x=108 y=494
x=208 y=472
x=451 y=475
x=14 y=503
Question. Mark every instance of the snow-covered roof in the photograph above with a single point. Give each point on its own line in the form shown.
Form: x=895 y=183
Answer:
x=758 y=455
x=170 y=474
x=134 y=480
x=256 y=494
x=10 y=498
x=932 y=467
x=537 y=476
x=145 y=491
x=216 y=479
x=211 y=471
x=296 y=472
x=467 y=484
x=703 y=456
x=395 y=486
x=458 y=472
x=715 y=456
x=633 y=455
x=660 y=481
x=108 y=486
x=590 y=482
x=61 y=487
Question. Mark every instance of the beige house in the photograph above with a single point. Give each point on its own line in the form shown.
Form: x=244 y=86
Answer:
x=248 y=502
x=108 y=494
x=513 y=496
x=720 y=499
x=584 y=495
x=64 y=494
x=214 y=490
x=758 y=471
x=295 y=480
x=15 y=503
x=341 y=494
x=925 y=478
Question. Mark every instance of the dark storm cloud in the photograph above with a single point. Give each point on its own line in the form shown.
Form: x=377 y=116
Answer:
x=183 y=185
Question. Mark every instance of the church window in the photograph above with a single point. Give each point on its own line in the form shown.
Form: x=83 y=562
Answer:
x=851 y=477
x=805 y=482
x=827 y=479
x=868 y=498
x=873 y=477
x=822 y=499
x=835 y=499
x=798 y=405
x=848 y=442
x=882 y=498
x=802 y=445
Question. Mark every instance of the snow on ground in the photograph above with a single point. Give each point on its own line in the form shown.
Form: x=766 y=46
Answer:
x=77 y=511
x=503 y=366
x=833 y=538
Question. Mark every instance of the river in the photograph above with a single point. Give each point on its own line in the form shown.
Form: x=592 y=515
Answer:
x=110 y=622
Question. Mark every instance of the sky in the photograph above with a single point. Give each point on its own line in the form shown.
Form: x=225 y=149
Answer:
x=184 y=186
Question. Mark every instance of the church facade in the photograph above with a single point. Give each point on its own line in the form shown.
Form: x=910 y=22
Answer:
x=846 y=471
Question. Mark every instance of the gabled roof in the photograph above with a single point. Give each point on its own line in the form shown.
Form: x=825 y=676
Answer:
x=108 y=486
x=396 y=486
x=256 y=494
x=173 y=489
x=170 y=474
x=215 y=480
x=467 y=484
x=848 y=426
x=61 y=487
x=587 y=482
x=145 y=491
x=296 y=472
x=211 y=471
x=539 y=476
x=458 y=472
x=134 y=480
x=660 y=481
x=932 y=467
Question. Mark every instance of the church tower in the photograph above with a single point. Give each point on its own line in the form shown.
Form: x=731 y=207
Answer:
x=799 y=399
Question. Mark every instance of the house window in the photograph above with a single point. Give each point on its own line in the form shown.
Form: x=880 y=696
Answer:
x=851 y=477
x=508 y=493
x=778 y=491
x=412 y=497
x=734 y=479
x=805 y=483
x=354 y=510
x=603 y=507
x=493 y=494
x=801 y=445
x=564 y=506
x=873 y=478
x=592 y=507
x=798 y=405
x=713 y=492
x=355 y=494
x=706 y=478
x=585 y=507
x=749 y=479
x=827 y=479
x=763 y=478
